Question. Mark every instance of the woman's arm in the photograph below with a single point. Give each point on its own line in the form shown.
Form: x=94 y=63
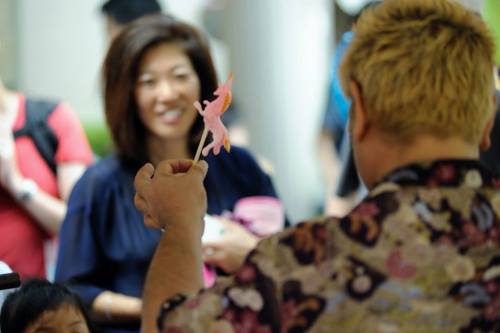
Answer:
x=47 y=210
x=82 y=263
x=230 y=250
x=110 y=306
x=72 y=155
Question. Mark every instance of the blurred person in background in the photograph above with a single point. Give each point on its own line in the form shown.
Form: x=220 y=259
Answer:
x=344 y=187
x=154 y=71
x=40 y=306
x=43 y=152
x=119 y=13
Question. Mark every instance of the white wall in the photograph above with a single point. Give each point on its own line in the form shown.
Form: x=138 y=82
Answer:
x=8 y=47
x=279 y=52
x=61 y=44
x=279 y=56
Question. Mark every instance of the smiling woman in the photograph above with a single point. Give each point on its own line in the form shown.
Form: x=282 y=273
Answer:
x=166 y=89
x=154 y=71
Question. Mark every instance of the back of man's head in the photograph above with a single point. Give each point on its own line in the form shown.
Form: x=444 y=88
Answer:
x=125 y=11
x=424 y=66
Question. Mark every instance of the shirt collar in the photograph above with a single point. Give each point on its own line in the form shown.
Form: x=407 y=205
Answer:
x=443 y=173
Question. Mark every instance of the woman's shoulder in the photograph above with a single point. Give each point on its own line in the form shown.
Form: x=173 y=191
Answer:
x=239 y=162
x=105 y=174
x=237 y=155
x=104 y=168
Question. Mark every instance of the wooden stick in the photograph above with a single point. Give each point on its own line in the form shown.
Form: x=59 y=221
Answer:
x=200 y=146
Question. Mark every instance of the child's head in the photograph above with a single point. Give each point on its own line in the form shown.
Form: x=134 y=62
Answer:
x=42 y=306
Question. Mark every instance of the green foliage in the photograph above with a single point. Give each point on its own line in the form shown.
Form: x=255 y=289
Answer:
x=492 y=15
x=100 y=139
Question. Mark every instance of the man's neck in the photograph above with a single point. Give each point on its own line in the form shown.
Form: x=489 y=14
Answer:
x=421 y=149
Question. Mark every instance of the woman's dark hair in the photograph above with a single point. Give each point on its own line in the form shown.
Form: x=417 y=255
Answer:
x=25 y=305
x=120 y=71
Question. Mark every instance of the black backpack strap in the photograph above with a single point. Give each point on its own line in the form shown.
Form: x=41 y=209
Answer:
x=37 y=127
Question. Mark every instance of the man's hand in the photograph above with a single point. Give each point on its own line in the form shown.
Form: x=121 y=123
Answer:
x=172 y=196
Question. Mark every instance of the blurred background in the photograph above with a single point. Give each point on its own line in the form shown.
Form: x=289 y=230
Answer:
x=279 y=51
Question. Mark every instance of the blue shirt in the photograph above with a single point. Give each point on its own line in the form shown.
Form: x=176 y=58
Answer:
x=337 y=111
x=104 y=244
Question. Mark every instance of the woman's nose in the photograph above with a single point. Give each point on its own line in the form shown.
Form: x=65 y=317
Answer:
x=166 y=91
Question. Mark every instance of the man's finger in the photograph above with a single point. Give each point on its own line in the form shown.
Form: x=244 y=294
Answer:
x=182 y=166
x=143 y=177
x=140 y=203
x=200 y=168
x=172 y=167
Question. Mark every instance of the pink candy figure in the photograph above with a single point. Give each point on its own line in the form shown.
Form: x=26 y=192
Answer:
x=211 y=116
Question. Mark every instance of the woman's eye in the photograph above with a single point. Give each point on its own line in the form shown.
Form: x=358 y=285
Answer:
x=146 y=82
x=182 y=76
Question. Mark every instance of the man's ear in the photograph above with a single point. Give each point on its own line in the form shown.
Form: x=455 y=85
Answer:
x=485 y=143
x=359 y=119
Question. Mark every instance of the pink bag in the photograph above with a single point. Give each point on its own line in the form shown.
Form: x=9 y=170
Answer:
x=261 y=215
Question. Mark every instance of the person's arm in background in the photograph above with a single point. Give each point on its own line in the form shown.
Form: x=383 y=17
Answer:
x=329 y=164
x=348 y=186
x=230 y=250
x=88 y=208
x=46 y=209
x=336 y=166
x=72 y=157
x=182 y=218
x=115 y=307
x=332 y=133
x=332 y=142
x=260 y=219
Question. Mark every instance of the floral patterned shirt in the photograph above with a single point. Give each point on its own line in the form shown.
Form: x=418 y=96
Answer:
x=421 y=253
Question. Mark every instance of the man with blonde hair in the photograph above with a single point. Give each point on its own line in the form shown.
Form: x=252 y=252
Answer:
x=421 y=253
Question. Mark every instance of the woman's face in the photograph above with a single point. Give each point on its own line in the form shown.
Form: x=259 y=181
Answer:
x=166 y=88
x=65 y=319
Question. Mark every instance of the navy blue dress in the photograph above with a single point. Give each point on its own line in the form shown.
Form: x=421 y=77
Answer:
x=104 y=244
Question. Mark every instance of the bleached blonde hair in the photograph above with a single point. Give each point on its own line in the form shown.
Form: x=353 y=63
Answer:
x=424 y=66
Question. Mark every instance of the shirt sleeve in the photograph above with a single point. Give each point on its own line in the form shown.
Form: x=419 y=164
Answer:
x=246 y=299
x=79 y=265
x=73 y=145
